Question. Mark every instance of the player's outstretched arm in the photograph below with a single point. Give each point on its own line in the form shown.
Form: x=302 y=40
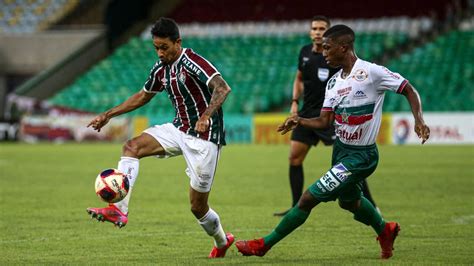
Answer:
x=421 y=129
x=290 y=123
x=323 y=121
x=135 y=101
x=220 y=90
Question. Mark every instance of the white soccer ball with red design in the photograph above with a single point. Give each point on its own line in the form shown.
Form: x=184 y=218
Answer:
x=111 y=185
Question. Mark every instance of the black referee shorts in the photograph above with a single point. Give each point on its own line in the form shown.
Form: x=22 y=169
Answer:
x=311 y=137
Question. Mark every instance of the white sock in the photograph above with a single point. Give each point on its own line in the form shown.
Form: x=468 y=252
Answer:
x=128 y=166
x=212 y=225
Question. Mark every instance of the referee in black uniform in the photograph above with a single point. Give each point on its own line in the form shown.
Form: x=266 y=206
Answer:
x=311 y=78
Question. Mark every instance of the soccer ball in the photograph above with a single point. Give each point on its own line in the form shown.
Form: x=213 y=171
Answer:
x=111 y=186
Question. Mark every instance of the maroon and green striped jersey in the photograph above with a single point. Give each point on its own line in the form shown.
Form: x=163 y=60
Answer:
x=186 y=82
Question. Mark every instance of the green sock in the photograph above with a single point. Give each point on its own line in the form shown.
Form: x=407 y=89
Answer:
x=368 y=215
x=292 y=220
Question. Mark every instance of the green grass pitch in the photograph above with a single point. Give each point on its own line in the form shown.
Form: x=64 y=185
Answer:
x=45 y=189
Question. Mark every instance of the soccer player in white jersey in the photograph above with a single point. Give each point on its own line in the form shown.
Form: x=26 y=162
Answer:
x=197 y=91
x=353 y=100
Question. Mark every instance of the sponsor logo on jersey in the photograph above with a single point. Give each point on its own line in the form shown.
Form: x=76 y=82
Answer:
x=341 y=172
x=344 y=91
x=331 y=83
x=360 y=95
x=360 y=75
x=191 y=66
x=343 y=134
x=323 y=74
x=329 y=182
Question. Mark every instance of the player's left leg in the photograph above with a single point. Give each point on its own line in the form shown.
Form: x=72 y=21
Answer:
x=201 y=157
x=133 y=150
x=364 y=212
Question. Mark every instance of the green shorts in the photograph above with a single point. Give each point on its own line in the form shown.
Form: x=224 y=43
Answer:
x=351 y=164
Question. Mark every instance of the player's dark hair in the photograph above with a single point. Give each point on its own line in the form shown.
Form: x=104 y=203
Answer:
x=322 y=18
x=165 y=28
x=341 y=34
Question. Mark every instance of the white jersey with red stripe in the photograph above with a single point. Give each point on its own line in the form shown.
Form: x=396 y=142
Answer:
x=357 y=101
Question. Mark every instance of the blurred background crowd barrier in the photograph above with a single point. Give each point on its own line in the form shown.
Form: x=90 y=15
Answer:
x=62 y=61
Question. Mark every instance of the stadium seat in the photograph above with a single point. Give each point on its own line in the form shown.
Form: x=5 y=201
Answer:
x=18 y=16
x=259 y=68
x=442 y=71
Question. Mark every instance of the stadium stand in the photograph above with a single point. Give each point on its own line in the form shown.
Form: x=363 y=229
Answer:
x=442 y=70
x=259 y=67
x=256 y=49
x=27 y=16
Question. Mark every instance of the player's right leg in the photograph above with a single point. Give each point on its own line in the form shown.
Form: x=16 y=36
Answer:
x=201 y=158
x=292 y=220
x=134 y=149
x=210 y=222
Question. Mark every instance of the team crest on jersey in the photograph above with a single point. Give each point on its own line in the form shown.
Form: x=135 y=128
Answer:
x=182 y=77
x=323 y=74
x=360 y=75
x=164 y=81
x=345 y=116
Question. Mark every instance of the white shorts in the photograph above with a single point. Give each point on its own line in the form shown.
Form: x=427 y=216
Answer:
x=201 y=156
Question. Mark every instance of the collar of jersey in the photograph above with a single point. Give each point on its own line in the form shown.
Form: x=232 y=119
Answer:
x=352 y=70
x=179 y=58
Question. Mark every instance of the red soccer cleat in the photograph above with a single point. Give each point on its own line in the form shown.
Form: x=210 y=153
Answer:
x=220 y=252
x=254 y=247
x=387 y=238
x=110 y=214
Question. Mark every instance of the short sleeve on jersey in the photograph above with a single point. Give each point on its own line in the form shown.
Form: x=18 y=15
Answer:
x=154 y=83
x=199 y=67
x=384 y=79
x=300 y=60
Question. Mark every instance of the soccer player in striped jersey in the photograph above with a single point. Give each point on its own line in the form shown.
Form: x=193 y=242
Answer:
x=197 y=91
x=353 y=100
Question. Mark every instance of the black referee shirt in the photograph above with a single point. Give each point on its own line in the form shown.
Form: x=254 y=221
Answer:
x=316 y=74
